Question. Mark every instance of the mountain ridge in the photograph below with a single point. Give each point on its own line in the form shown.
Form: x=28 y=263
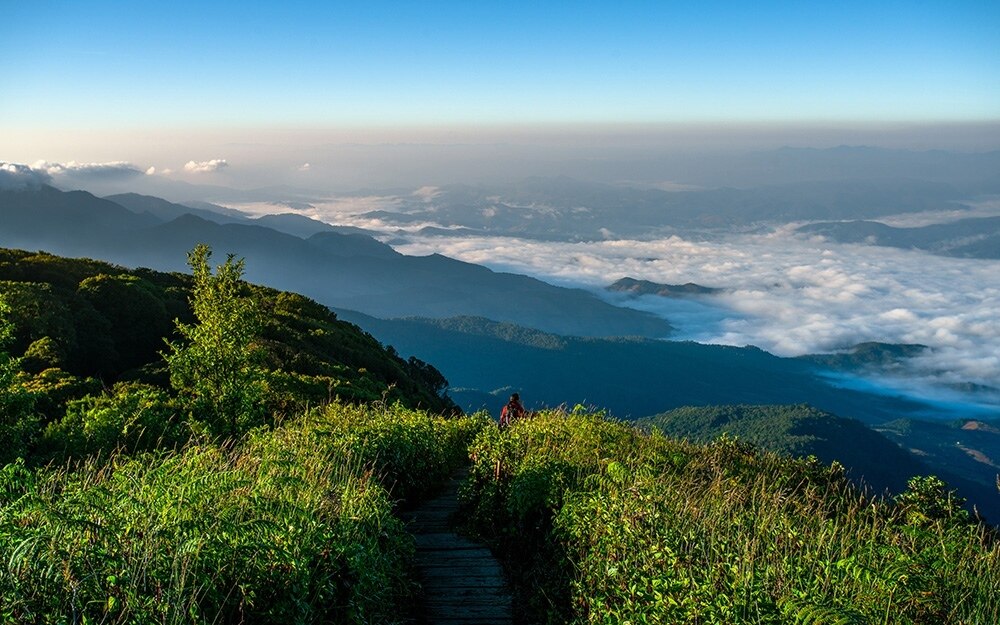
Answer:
x=329 y=266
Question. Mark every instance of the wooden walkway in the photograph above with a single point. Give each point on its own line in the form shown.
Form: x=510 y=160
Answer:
x=462 y=581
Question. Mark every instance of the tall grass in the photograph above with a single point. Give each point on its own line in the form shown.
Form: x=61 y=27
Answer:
x=292 y=525
x=623 y=527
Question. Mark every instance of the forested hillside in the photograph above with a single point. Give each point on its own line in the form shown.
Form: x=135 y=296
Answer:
x=90 y=338
x=800 y=431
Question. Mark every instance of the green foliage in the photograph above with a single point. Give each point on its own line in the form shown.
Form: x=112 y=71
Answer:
x=18 y=422
x=132 y=417
x=615 y=526
x=927 y=500
x=136 y=311
x=293 y=525
x=797 y=430
x=218 y=364
x=78 y=326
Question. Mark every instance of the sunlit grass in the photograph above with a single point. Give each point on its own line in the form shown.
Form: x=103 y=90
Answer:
x=625 y=527
x=292 y=525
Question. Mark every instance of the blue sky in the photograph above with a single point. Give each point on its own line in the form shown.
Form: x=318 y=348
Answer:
x=317 y=64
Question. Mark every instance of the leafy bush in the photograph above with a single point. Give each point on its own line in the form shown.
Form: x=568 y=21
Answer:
x=132 y=418
x=18 y=422
x=623 y=527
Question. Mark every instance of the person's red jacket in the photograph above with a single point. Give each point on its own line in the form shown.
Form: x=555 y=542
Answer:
x=511 y=412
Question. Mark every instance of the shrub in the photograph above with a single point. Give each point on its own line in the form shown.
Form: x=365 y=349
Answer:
x=131 y=418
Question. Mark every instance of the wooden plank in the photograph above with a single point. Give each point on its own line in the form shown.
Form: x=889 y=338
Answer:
x=429 y=578
x=469 y=606
x=497 y=589
x=483 y=567
x=469 y=612
x=461 y=620
x=467 y=596
x=445 y=539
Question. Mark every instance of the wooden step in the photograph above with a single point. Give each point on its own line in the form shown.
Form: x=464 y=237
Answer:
x=462 y=582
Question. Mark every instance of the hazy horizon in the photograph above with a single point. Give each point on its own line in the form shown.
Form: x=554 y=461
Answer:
x=384 y=95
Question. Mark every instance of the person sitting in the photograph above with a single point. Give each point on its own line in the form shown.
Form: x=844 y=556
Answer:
x=513 y=411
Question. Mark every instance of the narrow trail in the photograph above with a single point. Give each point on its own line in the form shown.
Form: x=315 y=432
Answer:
x=462 y=581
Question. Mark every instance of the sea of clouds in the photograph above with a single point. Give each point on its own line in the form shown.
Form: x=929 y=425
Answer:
x=789 y=295
x=784 y=292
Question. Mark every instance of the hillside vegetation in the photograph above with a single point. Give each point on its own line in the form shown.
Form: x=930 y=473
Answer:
x=78 y=327
x=204 y=484
x=797 y=430
x=603 y=524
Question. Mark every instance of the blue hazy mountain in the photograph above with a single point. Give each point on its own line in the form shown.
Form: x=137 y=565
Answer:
x=563 y=208
x=289 y=223
x=342 y=270
x=635 y=287
x=163 y=210
x=973 y=237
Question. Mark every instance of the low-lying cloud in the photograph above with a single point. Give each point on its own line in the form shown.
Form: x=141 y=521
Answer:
x=786 y=294
x=18 y=176
x=205 y=167
x=96 y=171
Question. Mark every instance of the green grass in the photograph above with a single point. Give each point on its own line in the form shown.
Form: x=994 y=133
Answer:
x=291 y=525
x=624 y=527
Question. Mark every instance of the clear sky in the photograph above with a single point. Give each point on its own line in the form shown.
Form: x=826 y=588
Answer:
x=292 y=64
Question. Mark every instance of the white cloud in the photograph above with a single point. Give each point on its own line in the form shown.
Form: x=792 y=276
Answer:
x=102 y=171
x=427 y=193
x=18 y=176
x=203 y=167
x=305 y=167
x=151 y=171
x=785 y=294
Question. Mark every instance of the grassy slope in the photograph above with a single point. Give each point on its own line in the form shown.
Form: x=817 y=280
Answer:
x=602 y=524
x=292 y=525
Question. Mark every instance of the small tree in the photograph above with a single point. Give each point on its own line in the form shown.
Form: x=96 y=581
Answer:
x=928 y=500
x=218 y=363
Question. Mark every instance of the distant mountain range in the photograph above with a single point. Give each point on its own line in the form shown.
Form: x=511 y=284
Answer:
x=563 y=208
x=974 y=237
x=631 y=377
x=864 y=356
x=341 y=270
